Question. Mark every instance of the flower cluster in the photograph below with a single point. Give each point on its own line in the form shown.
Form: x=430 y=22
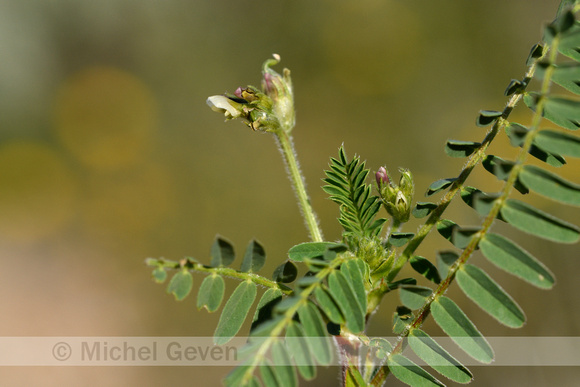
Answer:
x=268 y=110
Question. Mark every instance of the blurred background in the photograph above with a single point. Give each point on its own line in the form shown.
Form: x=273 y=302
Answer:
x=109 y=155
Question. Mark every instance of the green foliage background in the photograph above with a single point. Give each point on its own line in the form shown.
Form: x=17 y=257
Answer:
x=108 y=153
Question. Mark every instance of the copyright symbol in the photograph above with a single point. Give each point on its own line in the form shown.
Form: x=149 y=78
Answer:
x=61 y=351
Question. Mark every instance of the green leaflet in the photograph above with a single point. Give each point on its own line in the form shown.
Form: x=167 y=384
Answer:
x=410 y=373
x=328 y=305
x=315 y=331
x=458 y=236
x=489 y=296
x=354 y=271
x=557 y=142
x=211 y=293
x=414 y=297
x=460 y=329
x=501 y=169
x=402 y=317
x=562 y=111
x=269 y=376
x=180 y=284
x=486 y=117
x=254 y=382
x=456 y=148
x=398 y=239
x=424 y=267
x=528 y=219
x=439 y=185
x=512 y=258
x=236 y=376
x=285 y=273
x=570 y=32
x=517 y=134
x=235 y=312
x=159 y=274
x=266 y=306
x=283 y=369
x=497 y=166
x=254 y=258
x=478 y=200
x=310 y=250
x=222 y=252
x=444 y=261
x=550 y=185
x=298 y=349
x=347 y=301
x=286 y=303
x=422 y=209
x=566 y=75
x=437 y=357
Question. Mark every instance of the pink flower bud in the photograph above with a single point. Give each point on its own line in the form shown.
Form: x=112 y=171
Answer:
x=382 y=176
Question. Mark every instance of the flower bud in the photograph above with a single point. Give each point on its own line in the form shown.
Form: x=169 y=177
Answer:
x=382 y=177
x=397 y=200
x=279 y=89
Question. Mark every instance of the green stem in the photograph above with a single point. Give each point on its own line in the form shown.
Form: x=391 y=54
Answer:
x=190 y=264
x=287 y=149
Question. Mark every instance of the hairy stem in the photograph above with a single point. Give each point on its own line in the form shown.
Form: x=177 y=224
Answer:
x=287 y=150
